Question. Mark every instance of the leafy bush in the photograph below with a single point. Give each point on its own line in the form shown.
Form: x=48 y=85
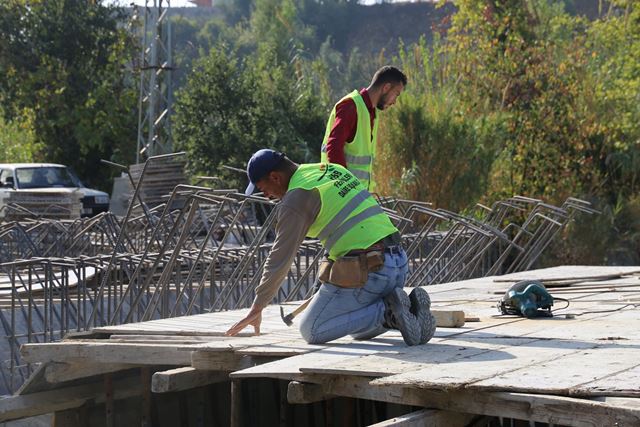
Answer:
x=431 y=146
x=17 y=139
x=236 y=103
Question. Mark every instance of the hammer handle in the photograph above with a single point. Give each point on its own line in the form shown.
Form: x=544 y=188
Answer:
x=300 y=308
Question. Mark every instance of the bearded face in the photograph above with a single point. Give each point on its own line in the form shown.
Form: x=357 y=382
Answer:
x=390 y=92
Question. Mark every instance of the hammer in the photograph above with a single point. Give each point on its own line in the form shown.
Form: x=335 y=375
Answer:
x=288 y=319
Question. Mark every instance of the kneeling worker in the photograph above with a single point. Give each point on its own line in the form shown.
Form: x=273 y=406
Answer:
x=362 y=281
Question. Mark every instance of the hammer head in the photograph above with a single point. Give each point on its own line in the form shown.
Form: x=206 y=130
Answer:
x=288 y=319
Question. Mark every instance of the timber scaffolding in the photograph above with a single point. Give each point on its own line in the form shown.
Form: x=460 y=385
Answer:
x=59 y=277
x=578 y=368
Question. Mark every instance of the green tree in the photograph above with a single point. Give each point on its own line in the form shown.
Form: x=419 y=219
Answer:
x=17 y=139
x=66 y=60
x=258 y=92
x=431 y=147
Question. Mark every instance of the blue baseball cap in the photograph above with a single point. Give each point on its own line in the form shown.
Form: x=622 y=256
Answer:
x=260 y=164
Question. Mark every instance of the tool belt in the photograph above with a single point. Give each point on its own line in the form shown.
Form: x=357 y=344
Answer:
x=352 y=270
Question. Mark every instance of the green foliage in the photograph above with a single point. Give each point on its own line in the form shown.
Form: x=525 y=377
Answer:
x=515 y=97
x=614 y=46
x=430 y=147
x=65 y=61
x=569 y=91
x=17 y=139
x=231 y=107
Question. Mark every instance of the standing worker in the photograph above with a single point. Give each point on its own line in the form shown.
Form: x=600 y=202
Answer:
x=362 y=280
x=351 y=134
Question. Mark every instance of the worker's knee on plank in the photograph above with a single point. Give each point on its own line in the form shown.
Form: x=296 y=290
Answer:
x=308 y=333
x=305 y=331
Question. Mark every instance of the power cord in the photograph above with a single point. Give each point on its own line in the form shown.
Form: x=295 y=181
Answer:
x=574 y=315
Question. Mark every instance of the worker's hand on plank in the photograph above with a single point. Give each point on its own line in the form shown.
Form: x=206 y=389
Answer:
x=254 y=318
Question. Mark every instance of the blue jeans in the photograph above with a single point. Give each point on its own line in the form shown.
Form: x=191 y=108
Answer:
x=336 y=312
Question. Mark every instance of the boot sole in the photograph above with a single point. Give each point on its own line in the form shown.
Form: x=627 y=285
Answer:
x=421 y=308
x=408 y=326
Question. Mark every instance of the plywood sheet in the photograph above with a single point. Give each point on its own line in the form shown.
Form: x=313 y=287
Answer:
x=289 y=368
x=436 y=352
x=576 y=373
x=462 y=372
x=568 y=272
x=215 y=324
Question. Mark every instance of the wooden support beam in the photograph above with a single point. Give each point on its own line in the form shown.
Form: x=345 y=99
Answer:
x=236 y=403
x=449 y=318
x=226 y=360
x=57 y=372
x=103 y=351
x=185 y=378
x=428 y=418
x=534 y=407
x=109 y=416
x=622 y=402
x=145 y=382
x=29 y=405
x=219 y=360
x=303 y=393
x=85 y=335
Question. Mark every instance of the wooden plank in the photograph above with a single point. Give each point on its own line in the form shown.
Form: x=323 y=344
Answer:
x=546 y=366
x=219 y=361
x=622 y=325
x=36 y=382
x=184 y=378
x=158 y=338
x=282 y=348
x=285 y=347
x=289 y=368
x=28 y=405
x=573 y=374
x=620 y=402
x=409 y=359
x=57 y=372
x=461 y=346
x=428 y=418
x=624 y=383
x=449 y=318
x=102 y=351
x=305 y=393
x=236 y=343
x=540 y=408
x=569 y=272
x=208 y=324
x=590 y=326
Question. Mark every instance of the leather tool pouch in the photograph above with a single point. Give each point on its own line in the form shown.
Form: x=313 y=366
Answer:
x=351 y=271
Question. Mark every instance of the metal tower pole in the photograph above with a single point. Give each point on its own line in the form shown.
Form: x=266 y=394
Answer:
x=156 y=91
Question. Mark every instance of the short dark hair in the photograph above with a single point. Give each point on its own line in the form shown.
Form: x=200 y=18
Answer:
x=388 y=74
x=285 y=165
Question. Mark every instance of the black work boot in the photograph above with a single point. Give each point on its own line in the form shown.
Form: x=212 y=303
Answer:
x=421 y=308
x=397 y=315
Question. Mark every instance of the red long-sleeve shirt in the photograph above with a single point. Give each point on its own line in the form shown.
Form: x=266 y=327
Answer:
x=344 y=127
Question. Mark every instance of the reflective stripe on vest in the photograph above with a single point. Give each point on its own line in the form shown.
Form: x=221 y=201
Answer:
x=350 y=223
x=342 y=215
x=359 y=160
x=349 y=217
x=360 y=153
x=361 y=175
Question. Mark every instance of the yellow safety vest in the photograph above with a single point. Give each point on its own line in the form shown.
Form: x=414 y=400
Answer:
x=349 y=218
x=359 y=153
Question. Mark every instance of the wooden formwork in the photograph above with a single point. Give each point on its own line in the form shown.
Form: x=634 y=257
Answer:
x=160 y=178
x=577 y=368
x=16 y=205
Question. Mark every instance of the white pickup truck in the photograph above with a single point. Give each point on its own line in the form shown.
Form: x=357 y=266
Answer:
x=42 y=177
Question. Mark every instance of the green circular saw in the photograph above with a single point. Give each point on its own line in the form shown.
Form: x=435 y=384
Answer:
x=528 y=298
